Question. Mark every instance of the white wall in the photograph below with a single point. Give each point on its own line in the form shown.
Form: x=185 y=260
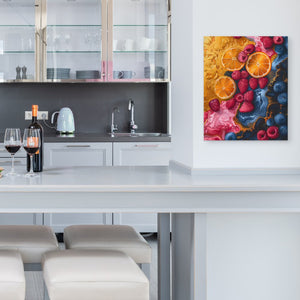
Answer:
x=250 y=256
x=193 y=19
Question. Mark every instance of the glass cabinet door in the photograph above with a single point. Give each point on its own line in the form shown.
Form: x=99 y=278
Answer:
x=139 y=45
x=17 y=40
x=73 y=39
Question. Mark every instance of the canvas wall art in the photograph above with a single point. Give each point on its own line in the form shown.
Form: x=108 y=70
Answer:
x=246 y=88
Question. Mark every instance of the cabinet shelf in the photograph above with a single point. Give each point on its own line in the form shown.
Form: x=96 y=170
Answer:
x=129 y=25
x=25 y=26
x=75 y=25
x=18 y=52
x=141 y=51
x=68 y=52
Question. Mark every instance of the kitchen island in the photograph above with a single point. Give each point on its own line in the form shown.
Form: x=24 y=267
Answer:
x=163 y=190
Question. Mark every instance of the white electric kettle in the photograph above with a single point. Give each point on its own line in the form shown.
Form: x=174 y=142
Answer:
x=65 y=121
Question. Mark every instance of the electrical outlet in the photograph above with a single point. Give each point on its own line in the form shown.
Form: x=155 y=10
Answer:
x=42 y=115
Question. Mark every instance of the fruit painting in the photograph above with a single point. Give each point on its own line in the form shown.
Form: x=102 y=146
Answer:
x=246 y=88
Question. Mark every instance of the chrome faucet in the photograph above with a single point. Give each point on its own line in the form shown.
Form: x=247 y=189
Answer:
x=132 y=126
x=114 y=127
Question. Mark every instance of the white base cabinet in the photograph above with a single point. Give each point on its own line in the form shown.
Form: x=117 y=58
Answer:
x=58 y=155
x=77 y=154
x=140 y=154
x=16 y=219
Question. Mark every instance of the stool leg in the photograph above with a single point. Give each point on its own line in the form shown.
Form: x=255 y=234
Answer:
x=46 y=296
x=146 y=269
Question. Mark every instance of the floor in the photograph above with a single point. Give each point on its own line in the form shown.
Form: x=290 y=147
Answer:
x=34 y=290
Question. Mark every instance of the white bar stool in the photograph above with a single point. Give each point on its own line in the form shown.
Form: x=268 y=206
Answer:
x=110 y=237
x=93 y=275
x=32 y=241
x=12 y=278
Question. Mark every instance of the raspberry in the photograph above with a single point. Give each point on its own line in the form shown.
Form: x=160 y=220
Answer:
x=263 y=82
x=248 y=96
x=262 y=135
x=243 y=85
x=246 y=107
x=244 y=74
x=267 y=42
x=253 y=82
x=273 y=132
x=214 y=104
x=278 y=40
x=249 y=48
x=239 y=98
x=236 y=75
x=237 y=37
x=258 y=49
x=230 y=103
x=242 y=57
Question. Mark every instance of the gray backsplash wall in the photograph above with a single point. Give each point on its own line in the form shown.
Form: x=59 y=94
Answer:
x=91 y=104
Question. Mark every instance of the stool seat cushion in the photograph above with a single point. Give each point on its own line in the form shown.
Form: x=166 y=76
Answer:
x=12 y=279
x=31 y=240
x=110 y=237
x=93 y=275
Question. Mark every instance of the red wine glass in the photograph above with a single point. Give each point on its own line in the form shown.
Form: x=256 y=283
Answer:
x=31 y=144
x=12 y=143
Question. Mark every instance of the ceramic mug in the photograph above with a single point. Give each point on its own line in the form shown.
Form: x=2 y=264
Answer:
x=154 y=72
x=118 y=74
x=128 y=45
x=128 y=74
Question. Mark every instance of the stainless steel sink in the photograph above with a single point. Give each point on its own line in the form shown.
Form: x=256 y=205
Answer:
x=137 y=134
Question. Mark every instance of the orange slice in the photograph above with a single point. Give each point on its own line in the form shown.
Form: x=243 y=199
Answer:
x=225 y=87
x=230 y=59
x=258 y=65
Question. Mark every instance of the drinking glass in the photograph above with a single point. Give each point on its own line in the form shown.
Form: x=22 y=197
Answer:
x=31 y=144
x=12 y=143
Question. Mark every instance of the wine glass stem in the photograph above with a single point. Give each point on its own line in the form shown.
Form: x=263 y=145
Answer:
x=31 y=164
x=12 y=163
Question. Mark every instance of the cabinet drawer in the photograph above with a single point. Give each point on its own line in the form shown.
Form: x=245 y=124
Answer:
x=141 y=154
x=77 y=154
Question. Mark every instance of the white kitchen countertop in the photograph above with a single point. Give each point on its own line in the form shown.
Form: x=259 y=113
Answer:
x=151 y=179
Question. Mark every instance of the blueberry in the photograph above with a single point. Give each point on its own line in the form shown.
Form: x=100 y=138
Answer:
x=279 y=87
x=282 y=98
x=280 y=119
x=270 y=122
x=280 y=49
x=283 y=130
x=230 y=136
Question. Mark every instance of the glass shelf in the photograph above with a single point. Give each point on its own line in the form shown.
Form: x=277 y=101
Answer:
x=129 y=25
x=66 y=52
x=17 y=26
x=18 y=52
x=75 y=25
x=141 y=51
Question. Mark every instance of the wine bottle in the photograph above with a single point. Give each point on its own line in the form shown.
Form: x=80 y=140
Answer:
x=37 y=160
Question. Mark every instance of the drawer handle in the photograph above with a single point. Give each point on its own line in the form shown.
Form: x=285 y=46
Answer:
x=146 y=146
x=78 y=146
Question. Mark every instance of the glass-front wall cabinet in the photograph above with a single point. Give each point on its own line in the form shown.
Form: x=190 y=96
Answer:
x=17 y=40
x=73 y=40
x=84 y=40
x=140 y=40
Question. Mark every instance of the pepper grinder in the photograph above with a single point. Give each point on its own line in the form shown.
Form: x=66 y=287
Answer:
x=18 y=70
x=24 y=69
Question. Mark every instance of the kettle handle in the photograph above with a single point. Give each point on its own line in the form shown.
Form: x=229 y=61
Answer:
x=53 y=115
